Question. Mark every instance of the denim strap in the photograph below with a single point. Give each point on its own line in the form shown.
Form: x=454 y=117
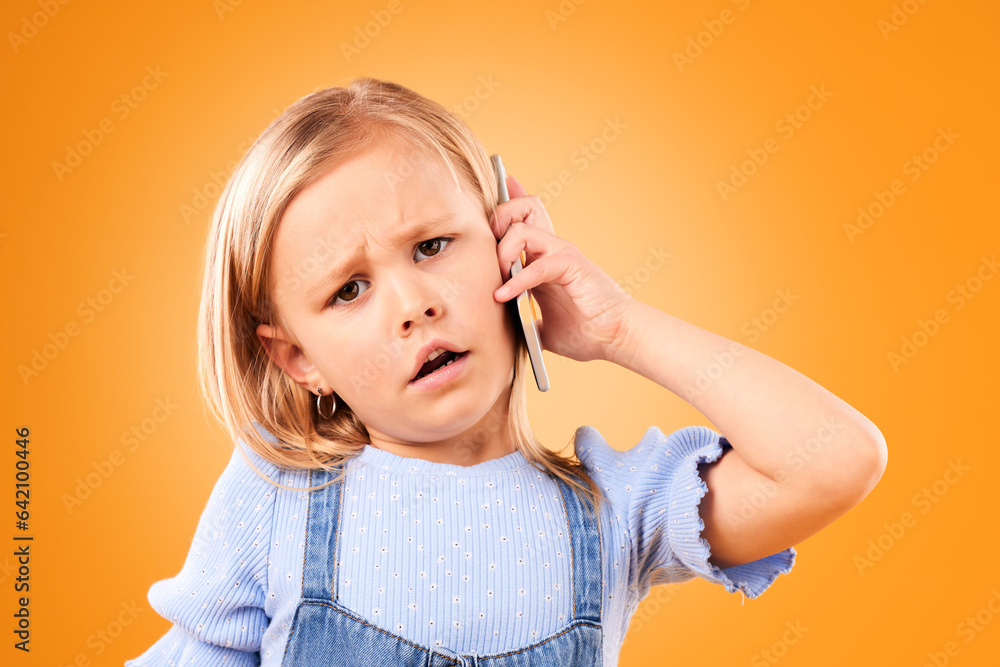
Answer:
x=585 y=542
x=319 y=569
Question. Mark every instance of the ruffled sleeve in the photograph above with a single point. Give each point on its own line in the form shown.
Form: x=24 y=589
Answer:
x=216 y=602
x=654 y=491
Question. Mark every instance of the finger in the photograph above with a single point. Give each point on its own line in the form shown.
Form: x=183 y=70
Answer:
x=535 y=243
x=514 y=188
x=510 y=247
x=542 y=270
x=527 y=208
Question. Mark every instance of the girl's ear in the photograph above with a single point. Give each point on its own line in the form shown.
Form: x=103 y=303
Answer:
x=288 y=356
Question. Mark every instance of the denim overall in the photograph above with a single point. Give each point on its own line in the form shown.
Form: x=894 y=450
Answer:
x=325 y=633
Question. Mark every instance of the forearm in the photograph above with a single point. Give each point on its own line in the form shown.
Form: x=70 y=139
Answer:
x=768 y=411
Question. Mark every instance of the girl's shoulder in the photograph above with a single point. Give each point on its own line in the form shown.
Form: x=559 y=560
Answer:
x=251 y=483
x=223 y=583
x=643 y=482
x=245 y=463
x=657 y=457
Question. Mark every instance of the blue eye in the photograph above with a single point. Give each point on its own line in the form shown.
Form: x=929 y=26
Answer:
x=429 y=248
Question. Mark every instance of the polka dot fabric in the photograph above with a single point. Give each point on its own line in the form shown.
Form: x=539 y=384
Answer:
x=473 y=558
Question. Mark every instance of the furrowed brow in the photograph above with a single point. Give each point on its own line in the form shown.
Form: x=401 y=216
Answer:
x=335 y=273
x=340 y=269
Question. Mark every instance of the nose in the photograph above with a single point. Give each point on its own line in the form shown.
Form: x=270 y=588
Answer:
x=419 y=298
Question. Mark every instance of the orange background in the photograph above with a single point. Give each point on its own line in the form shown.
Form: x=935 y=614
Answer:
x=226 y=69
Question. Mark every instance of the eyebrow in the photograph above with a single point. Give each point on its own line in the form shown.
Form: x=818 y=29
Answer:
x=426 y=227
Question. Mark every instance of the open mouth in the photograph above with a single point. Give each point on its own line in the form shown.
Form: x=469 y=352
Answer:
x=443 y=360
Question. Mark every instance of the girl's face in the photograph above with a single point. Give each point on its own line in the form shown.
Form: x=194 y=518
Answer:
x=371 y=262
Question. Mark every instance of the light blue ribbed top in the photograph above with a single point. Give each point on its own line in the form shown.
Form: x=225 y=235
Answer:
x=474 y=558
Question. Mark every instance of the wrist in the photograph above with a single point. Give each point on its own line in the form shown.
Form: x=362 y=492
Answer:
x=627 y=342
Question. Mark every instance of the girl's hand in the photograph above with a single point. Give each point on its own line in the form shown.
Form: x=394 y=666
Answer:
x=583 y=308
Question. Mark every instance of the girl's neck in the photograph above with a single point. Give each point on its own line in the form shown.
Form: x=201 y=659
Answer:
x=394 y=463
x=490 y=438
x=475 y=446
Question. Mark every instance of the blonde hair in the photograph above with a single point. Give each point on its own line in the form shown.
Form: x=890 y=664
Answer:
x=238 y=381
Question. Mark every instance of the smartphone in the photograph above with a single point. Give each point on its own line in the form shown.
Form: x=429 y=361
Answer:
x=522 y=307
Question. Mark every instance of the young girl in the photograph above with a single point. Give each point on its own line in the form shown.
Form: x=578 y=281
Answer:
x=386 y=502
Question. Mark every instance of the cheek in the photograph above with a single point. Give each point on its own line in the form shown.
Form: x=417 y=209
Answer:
x=477 y=294
x=481 y=270
x=359 y=374
x=344 y=356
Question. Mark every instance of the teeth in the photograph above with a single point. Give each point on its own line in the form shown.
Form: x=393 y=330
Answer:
x=435 y=354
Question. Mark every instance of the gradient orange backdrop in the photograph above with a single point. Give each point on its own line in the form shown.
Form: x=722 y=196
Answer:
x=102 y=260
